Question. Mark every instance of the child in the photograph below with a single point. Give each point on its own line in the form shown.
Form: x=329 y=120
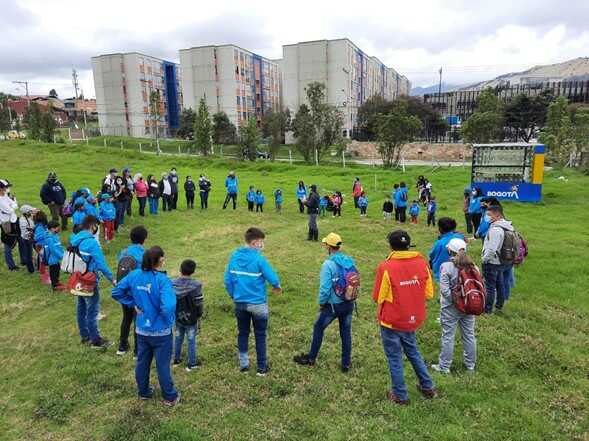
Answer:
x=27 y=227
x=79 y=211
x=278 y=200
x=431 y=211
x=363 y=204
x=53 y=253
x=39 y=235
x=450 y=317
x=414 y=211
x=107 y=214
x=189 y=309
x=250 y=196
x=260 y=199
x=189 y=188
x=91 y=210
x=323 y=203
x=338 y=200
x=387 y=208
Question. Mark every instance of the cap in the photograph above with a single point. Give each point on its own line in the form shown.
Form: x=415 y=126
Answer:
x=52 y=174
x=456 y=245
x=105 y=196
x=126 y=170
x=399 y=240
x=113 y=170
x=25 y=209
x=333 y=240
x=4 y=183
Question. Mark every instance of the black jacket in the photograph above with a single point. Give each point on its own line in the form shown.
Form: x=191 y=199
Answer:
x=173 y=180
x=153 y=190
x=312 y=203
x=204 y=185
x=189 y=187
x=52 y=192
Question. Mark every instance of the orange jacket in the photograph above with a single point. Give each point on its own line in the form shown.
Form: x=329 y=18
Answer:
x=403 y=283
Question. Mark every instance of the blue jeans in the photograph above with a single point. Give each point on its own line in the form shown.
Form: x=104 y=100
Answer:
x=258 y=315
x=87 y=312
x=121 y=208
x=494 y=285
x=327 y=314
x=508 y=281
x=394 y=344
x=160 y=348
x=26 y=254
x=8 y=257
x=191 y=332
x=153 y=205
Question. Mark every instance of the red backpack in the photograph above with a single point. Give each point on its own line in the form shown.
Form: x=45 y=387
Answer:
x=469 y=293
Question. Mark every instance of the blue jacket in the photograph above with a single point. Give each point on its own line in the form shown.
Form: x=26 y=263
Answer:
x=414 y=210
x=107 y=211
x=53 y=248
x=260 y=199
x=329 y=273
x=40 y=234
x=246 y=275
x=135 y=251
x=432 y=206
x=250 y=196
x=231 y=185
x=91 y=210
x=78 y=217
x=151 y=292
x=323 y=202
x=399 y=202
x=439 y=253
x=474 y=206
x=301 y=192
x=278 y=197
x=91 y=253
x=362 y=201
x=483 y=226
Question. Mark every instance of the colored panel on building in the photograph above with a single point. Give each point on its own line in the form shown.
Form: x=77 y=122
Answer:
x=171 y=83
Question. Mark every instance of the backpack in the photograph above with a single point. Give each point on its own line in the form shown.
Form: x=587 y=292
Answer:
x=188 y=310
x=72 y=260
x=347 y=284
x=125 y=265
x=523 y=250
x=469 y=293
x=510 y=249
x=404 y=196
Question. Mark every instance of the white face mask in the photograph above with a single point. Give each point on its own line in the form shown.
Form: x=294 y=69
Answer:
x=173 y=172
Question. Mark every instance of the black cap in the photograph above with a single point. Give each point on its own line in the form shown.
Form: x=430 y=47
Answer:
x=399 y=240
x=4 y=183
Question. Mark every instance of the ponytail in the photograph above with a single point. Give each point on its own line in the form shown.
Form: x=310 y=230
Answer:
x=151 y=258
x=462 y=260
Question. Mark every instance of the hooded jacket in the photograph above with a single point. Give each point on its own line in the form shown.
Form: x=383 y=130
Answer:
x=141 y=189
x=107 y=211
x=246 y=275
x=204 y=184
x=173 y=179
x=250 y=196
x=154 y=190
x=363 y=201
x=78 y=216
x=414 y=210
x=136 y=251
x=231 y=184
x=403 y=283
x=399 y=202
x=494 y=241
x=152 y=293
x=91 y=253
x=53 y=248
x=330 y=272
x=439 y=254
x=189 y=186
x=301 y=192
x=312 y=203
x=40 y=234
x=278 y=197
x=260 y=198
x=474 y=205
x=52 y=192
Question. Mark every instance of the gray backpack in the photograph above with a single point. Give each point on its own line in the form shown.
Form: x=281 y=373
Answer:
x=510 y=249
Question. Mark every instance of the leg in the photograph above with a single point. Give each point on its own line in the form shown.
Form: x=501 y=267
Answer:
x=81 y=313
x=234 y=197
x=163 y=355
x=202 y=200
x=8 y=257
x=126 y=322
x=500 y=290
x=128 y=205
x=469 y=342
x=391 y=343
x=261 y=208
x=191 y=339
x=468 y=221
x=54 y=275
x=490 y=276
x=227 y=197
x=402 y=214
x=92 y=315
x=259 y=315
x=243 y=332
x=325 y=317
x=28 y=250
x=345 y=332
x=410 y=348
x=207 y=199
x=180 y=331
x=507 y=277
x=143 y=366
x=449 y=318
x=54 y=210
x=63 y=218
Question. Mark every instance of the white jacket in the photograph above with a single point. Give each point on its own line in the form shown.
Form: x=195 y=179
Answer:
x=8 y=209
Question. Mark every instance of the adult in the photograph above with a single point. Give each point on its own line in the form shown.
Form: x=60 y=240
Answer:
x=121 y=197
x=231 y=186
x=331 y=306
x=483 y=229
x=166 y=192
x=312 y=204
x=301 y=196
x=394 y=200
x=245 y=281
x=108 y=183
x=53 y=195
x=356 y=191
x=149 y=291
x=494 y=269
x=439 y=253
x=173 y=177
x=189 y=189
x=8 y=224
x=465 y=206
x=131 y=189
x=402 y=285
x=204 y=186
x=89 y=307
x=153 y=194
x=141 y=190
x=474 y=208
x=401 y=200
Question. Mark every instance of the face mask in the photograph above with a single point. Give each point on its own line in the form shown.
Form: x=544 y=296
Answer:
x=95 y=230
x=173 y=173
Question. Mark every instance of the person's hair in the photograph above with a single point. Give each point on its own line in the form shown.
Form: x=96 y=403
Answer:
x=495 y=209
x=52 y=224
x=77 y=228
x=396 y=186
x=188 y=177
x=138 y=234
x=40 y=218
x=187 y=267
x=402 y=184
x=253 y=233
x=461 y=260
x=446 y=224
x=89 y=222
x=251 y=187
x=478 y=191
x=151 y=258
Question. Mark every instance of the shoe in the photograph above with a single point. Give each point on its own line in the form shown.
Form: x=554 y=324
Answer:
x=177 y=362
x=101 y=343
x=14 y=268
x=263 y=372
x=190 y=368
x=149 y=396
x=437 y=368
x=395 y=399
x=345 y=369
x=84 y=341
x=303 y=360
x=470 y=371
x=171 y=403
x=121 y=351
x=427 y=393
x=244 y=369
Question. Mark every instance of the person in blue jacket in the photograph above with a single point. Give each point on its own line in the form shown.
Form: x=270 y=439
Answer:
x=483 y=229
x=40 y=230
x=250 y=197
x=89 y=307
x=475 y=210
x=107 y=214
x=245 y=281
x=414 y=211
x=278 y=198
x=53 y=250
x=79 y=211
x=401 y=198
x=260 y=199
x=439 y=254
x=323 y=204
x=301 y=196
x=150 y=293
x=363 y=204
x=331 y=306
x=231 y=186
x=431 y=209
x=394 y=200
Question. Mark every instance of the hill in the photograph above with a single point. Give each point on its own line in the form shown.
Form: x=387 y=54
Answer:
x=418 y=91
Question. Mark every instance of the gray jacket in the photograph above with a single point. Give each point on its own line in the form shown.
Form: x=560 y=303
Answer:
x=494 y=241
x=448 y=281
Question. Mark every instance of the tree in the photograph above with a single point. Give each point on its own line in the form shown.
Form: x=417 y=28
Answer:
x=524 y=115
x=203 y=128
x=581 y=128
x=304 y=132
x=33 y=120
x=224 y=131
x=53 y=93
x=274 y=125
x=249 y=137
x=395 y=129
x=486 y=123
x=368 y=114
x=186 y=123
x=4 y=118
x=154 y=110
x=557 y=134
x=47 y=126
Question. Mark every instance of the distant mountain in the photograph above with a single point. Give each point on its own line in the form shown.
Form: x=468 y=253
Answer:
x=418 y=91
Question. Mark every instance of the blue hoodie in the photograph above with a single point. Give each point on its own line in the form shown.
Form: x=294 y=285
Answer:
x=362 y=201
x=474 y=206
x=91 y=253
x=250 y=196
x=414 y=210
x=90 y=210
x=399 y=202
x=40 y=234
x=439 y=253
x=152 y=293
x=329 y=274
x=260 y=199
x=246 y=275
x=78 y=217
x=107 y=211
x=278 y=196
x=231 y=185
x=323 y=202
x=432 y=207
x=301 y=192
x=136 y=251
x=484 y=226
x=53 y=248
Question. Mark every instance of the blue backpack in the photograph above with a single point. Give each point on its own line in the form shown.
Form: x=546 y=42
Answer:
x=347 y=283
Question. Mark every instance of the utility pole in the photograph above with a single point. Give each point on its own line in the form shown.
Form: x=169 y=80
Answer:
x=75 y=82
x=440 y=87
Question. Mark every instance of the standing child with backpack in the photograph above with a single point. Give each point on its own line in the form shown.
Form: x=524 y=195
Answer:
x=363 y=204
x=53 y=253
x=107 y=214
x=278 y=200
x=189 y=310
x=414 y=212
x=250 y=197
x=260 y=199
x=431 y=208
x=459 y=277
x=338 y=201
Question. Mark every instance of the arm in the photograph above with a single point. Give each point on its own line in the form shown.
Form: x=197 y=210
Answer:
x=325 y=282
x=445 y=283
x=228 y=282
x=382 y=290
x=99 y=261
x=491 y=245
x=268 y=273
x=167 y=296
x=122 y=293
x=43 y=194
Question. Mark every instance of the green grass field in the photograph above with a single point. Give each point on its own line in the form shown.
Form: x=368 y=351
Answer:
x=532 y=376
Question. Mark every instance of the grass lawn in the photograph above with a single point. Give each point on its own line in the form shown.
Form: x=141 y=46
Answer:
x=532 y=374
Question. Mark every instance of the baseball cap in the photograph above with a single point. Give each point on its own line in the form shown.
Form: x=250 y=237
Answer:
x=25 y=209
x=399 y=240
x=105 y=196
x=455 y=245
x=333 y=240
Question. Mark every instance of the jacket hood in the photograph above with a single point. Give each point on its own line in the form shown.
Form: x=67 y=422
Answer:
x=400 y=255
x=502 y=223
x=77 y=238
x=245 y=255
x=342 y=260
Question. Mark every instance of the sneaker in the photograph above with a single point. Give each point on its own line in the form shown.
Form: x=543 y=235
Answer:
x=470 y=371
x=190 y=368
x=262 y=372
x=171 y=403
x=84 y=341
x=177 y=362
x=303 y=360
x=427 y=393
x=101 y=343
x=121 y=351
x=437 y=368
x=149 y=396
x=345 y=369
x=244 y=369
x=14 y=268
x=395 y=399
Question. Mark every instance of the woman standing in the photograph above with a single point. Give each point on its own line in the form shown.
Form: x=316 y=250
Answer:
x=8 y=223
x=141 y=193
x=150 y=292
x=153 y=193
x=475 y=210
x=189 y=188
x=204 y=186
x=301 y=196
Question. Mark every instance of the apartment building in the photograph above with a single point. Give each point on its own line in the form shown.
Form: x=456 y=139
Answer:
x=124 y=83
x=233 y=80
x=351 y=76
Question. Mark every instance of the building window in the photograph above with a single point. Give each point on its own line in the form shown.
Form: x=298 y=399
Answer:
x=244 y=115
x=238 y=101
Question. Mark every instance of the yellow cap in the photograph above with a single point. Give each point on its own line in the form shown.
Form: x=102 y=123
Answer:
x=333 y=240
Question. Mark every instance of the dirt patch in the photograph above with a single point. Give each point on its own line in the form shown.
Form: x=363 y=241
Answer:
x=416 y=150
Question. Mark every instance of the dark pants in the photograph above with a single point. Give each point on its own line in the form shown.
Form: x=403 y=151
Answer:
x=401 y=214
x=363 y=210
x=128 y=207
x=26 y=256
x=337 y=210
x=356 y=201
x=468 y=220
x=166 y=201
x=256 y=315
x=121 y=208
x=494 y=285
x=260 y=207
x=204 y=199
x=396 y=213
x=476 y=221
x=250 y=205
x=301 y=206
x=189 y=199
x=230 y=197
x=313 y=229
x=160 y=348
x=142 y=202
x=56 y=214
x=174 y=201
x=54 y=274
x=126 y=322
x=327 y=314
x=431 y=219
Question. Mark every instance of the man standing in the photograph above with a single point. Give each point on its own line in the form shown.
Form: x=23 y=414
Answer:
x=204 y=186
x=53 y=195
x=312 y=203
x=332 y=306
x=356 y=191
x=173 y=177
x=231 y=186
x=121 y=196
x=245 y=281
x=403 y=283
x=401 y=198
x=130 y=183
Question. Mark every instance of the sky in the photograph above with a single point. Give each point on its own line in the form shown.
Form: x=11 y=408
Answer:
x=41 y=41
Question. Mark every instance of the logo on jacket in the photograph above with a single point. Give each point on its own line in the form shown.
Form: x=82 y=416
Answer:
x=411 y=282
x=145 y=288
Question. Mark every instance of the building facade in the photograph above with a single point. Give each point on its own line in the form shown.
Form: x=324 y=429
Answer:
x=350 y=76
x=233 y=80
x=124 y=84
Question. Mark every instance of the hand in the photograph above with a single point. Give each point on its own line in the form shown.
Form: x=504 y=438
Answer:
x=138 y=311
x=114 y=282
x=277 y=290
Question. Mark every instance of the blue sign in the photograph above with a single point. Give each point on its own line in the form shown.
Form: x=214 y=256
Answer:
x=453 y=120
x=511 y=191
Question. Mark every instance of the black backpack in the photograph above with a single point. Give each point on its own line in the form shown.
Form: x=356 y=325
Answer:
x=125 y=266
x=189 y=308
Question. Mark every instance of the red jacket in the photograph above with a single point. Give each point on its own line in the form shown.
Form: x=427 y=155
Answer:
x=357 y=190
x=403 y=283
x=141 y=189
